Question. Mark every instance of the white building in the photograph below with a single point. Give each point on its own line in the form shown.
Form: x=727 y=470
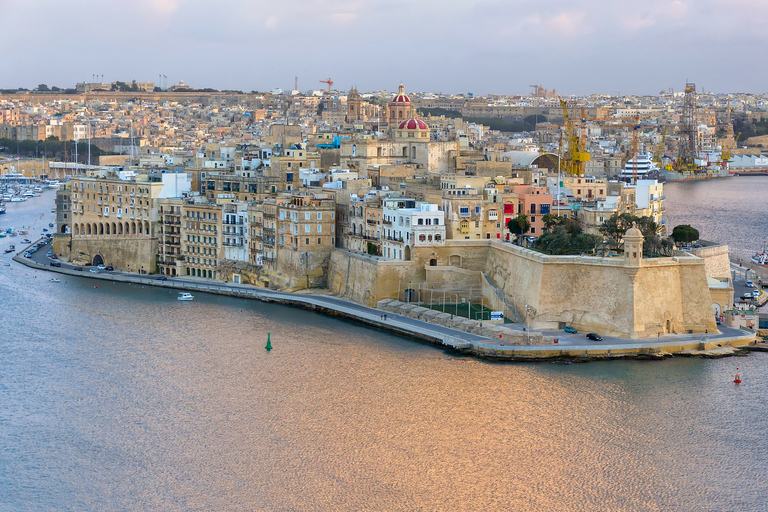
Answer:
x=406 y=228
x=235 y=232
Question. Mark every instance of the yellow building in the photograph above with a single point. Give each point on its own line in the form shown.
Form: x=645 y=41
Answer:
x=201 y=239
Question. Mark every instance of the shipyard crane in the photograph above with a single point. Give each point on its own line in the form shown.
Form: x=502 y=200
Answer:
x=574 y=160
x=330 y=83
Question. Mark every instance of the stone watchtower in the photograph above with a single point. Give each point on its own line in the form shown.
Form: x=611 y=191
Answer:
x=633 y=246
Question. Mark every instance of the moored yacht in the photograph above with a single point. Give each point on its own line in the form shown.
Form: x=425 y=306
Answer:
x=640 y=166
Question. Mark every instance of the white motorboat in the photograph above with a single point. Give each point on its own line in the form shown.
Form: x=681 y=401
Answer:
x=185 y=296
x=55 y=280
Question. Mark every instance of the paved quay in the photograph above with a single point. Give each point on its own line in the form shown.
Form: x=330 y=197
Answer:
x=568 y=346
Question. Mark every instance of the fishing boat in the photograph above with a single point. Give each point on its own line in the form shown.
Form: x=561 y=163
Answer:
x=50 y=225
x=2 y=208
x=11 y=232
x=54 y=280
x=185 y=296
x=760 y=258
x=23 y=232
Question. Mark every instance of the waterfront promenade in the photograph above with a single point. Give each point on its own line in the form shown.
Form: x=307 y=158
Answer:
x=566 y=345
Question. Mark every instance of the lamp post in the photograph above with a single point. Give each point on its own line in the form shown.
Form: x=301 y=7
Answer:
x=527 y=329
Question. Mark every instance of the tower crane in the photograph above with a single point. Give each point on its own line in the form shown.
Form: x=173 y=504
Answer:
x=330 y=83
x=575 y=158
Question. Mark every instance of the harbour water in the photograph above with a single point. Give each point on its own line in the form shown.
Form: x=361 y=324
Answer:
x=123 y=398
x=733 y=211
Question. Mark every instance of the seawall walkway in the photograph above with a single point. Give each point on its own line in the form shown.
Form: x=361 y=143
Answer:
x=453 y=339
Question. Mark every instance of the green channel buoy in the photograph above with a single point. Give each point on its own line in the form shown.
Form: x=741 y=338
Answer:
x=269 y=343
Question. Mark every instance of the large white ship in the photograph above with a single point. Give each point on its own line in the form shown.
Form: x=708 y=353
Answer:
x=640 y=166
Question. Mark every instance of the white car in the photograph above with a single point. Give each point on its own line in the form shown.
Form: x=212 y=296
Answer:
x=102 y=267
x=750 y=284
x=756 y=293
x=94 y=271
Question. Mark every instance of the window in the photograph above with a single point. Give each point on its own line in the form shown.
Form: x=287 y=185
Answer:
x=306 y=215
x=477 y=209
x=319 y=241
x=533 y=230
x=319 y=215
x=533 y=208
x=421 y=222
x=307 y=241
x=307 y=228
x=464 y=211
x=319 y=228
x=333 y=215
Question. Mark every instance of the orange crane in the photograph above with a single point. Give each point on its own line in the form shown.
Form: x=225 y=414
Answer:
x=330 y=83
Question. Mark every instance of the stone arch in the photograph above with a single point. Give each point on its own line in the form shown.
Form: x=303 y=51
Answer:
x=133 y=228
x=101 y=228
x=77 y=229
x=89 y=228
x=64 y=228
x=146 y=227
x=717 y=310
x=433 y=262
x=407 y=253
x=119 y=228
x=98 y=260
x=114 y=228
x=455 y=260
x=107 y=229
x=127 y=228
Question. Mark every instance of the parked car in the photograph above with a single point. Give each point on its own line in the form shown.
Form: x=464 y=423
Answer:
x=750 y=284
x=54 y=257
x=94 y=270
x=747 y=296
x=102 y=267
x=27 y=254
x=161 y=278
x=755 y=293
x=55 y=264
x=79 y=269
x=570 y=329
x=109 y=268
x=594 y=337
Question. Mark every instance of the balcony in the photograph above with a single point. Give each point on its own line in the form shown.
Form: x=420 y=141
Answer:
x=372 y=222
x=119 y=215
x=268 y=215
x=269 y=230
x=386 y=222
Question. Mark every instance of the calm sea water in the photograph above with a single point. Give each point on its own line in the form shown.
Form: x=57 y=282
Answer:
x=122 y=398
x=732 y=211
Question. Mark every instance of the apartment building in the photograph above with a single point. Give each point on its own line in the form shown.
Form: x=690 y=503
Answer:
x=201 y=239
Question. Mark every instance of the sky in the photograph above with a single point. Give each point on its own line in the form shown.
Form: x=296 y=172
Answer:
x=480 y=46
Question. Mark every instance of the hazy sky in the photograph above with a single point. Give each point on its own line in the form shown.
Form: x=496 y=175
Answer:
x=480 y=46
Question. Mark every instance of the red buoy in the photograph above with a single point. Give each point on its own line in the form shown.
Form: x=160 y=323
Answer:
x=737 y=379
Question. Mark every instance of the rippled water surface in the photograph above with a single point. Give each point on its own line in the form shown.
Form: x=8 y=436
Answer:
x=733 y=211
x=122 y=398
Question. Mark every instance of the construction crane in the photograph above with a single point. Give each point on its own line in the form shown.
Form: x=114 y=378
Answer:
x=574 y=160
x=330 y=83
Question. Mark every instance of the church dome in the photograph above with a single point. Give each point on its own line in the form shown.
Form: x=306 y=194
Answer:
x=413 y=124
x=401 y=97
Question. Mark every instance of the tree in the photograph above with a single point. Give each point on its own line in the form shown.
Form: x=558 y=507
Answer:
x=320 y=108
x=549 y=221
x=615 y=226
x=685 y=234
x=519 y=225
x=43 y=88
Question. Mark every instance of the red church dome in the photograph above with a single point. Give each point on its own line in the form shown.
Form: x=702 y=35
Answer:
x=401 y=97
x=413 y=124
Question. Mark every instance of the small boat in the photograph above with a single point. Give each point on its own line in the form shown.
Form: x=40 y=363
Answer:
x=50 y=225
x=44 y=229
x=3 y=234
x=54 y=280
x=2 y=208
x=27 y=241
x=8 y=250
x=23 y=232
x=185 y=296
x=760 y=258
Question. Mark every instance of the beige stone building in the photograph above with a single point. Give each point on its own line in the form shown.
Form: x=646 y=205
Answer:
x=201 y=239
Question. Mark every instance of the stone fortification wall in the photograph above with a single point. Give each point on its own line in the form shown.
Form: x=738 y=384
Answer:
x=130 y=254
x=602 y=294
x=716 y=261
x=367 y=279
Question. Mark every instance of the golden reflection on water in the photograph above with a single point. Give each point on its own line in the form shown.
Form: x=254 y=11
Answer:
x=122 y=398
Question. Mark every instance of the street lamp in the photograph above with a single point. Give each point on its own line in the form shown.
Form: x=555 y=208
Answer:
x=527 y=328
